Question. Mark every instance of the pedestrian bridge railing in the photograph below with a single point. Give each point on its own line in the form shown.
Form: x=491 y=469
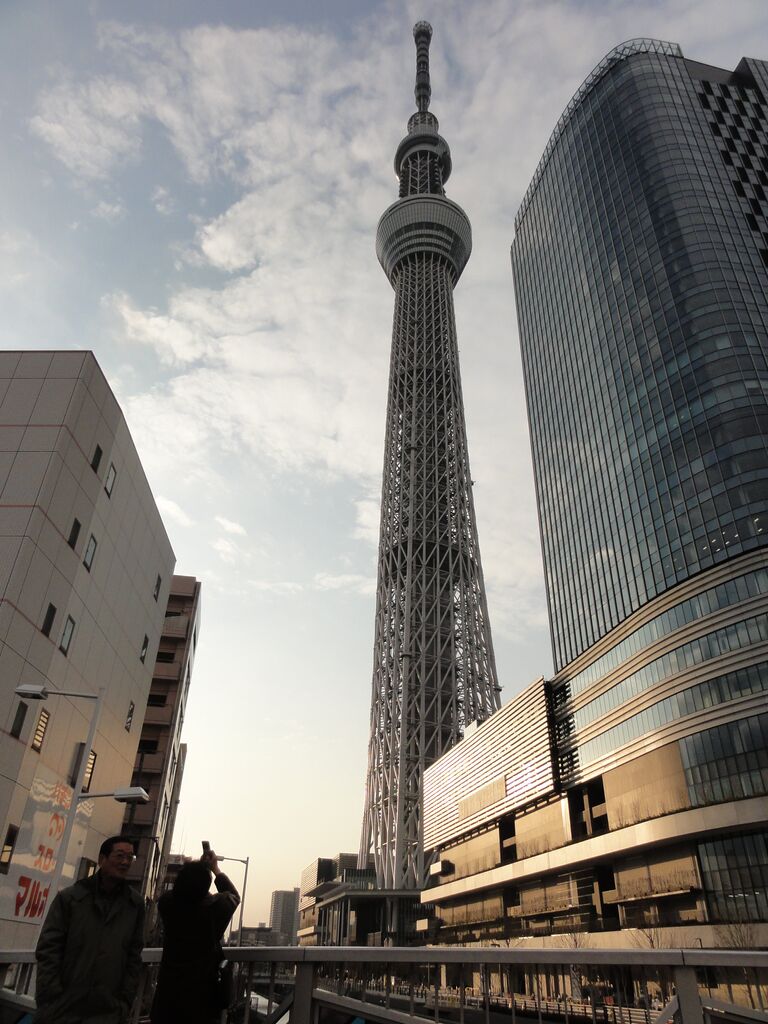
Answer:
x=464 y=985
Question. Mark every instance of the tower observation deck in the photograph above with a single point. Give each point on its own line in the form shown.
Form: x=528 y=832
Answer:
x=433 y=670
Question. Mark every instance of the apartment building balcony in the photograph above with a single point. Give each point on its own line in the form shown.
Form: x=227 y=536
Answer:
x=162 y=715
x=151 y=763
x=166 y=670
x=176 y=626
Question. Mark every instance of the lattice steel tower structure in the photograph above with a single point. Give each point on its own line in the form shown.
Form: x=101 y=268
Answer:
x=434 y=670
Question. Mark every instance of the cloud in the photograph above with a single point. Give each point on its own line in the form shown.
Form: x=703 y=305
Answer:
x=281 y=587
x=110 y=212
x=226 y=550
x=231 y=527
x=273 y=345
x=353 y=582
x=91 y=126
x=162 y=200
x=174 y=512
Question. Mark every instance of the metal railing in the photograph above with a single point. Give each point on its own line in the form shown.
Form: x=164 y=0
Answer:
x=466 y=985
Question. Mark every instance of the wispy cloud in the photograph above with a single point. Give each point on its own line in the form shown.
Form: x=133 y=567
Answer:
x=112 y=212
x=170 y=510
x=349 y=581
x=230 y=526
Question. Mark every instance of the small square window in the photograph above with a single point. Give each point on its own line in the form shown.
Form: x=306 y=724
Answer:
x=7 y=852
x=129 y=717
x=41 y=729
x=96 y=460
x=74 y=533
x=66 y=636
x=18 y=719
x=144 y=648
x=109 y=483
x=157 y=700
x=158 y=584
x=90 y=551
x=50 y=615
x=147 y=746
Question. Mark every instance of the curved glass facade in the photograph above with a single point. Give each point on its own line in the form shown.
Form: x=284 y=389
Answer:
x=743 y=683
x=641 y=275
x=751 y=584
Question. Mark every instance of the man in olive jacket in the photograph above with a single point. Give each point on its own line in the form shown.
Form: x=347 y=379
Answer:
x=89 y=951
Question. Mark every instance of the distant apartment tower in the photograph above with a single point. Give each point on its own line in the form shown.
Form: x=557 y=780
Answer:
x=284 y=915
x=641 y=272
x=160 y=756
x=85 y=569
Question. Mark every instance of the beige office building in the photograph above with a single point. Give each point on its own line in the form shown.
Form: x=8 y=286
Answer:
x=85 y=572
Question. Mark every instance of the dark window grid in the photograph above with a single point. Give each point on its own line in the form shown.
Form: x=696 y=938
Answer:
x=714 y=761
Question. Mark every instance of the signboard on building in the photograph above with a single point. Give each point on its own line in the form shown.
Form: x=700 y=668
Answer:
x=25 y=891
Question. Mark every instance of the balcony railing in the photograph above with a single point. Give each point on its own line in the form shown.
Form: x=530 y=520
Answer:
x=290 y=985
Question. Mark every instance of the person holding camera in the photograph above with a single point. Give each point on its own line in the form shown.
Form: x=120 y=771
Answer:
x=189 y=986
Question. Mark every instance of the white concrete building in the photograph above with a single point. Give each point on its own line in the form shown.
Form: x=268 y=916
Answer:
x=85 y=571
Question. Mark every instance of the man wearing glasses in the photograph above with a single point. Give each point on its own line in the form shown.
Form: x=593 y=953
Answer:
x=89 y=951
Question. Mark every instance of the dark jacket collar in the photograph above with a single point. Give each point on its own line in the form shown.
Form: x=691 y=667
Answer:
x=90 y=887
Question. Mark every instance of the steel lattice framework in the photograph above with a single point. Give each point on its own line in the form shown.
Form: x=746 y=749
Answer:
x=434 y=670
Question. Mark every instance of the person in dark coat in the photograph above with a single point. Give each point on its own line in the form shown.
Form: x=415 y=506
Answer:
x=89 y=950
x=193 y=921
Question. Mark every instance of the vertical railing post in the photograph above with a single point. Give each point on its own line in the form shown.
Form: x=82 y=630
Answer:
x=248 y=991
x=302 y=998
x=688 y=998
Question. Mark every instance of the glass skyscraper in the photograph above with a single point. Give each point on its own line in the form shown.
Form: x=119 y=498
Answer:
x=628 y=792
x=641 y=272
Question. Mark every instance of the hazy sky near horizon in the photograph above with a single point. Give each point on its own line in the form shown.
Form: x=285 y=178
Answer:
x=191 y=191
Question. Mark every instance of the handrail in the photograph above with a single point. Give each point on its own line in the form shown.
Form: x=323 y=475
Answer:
x=695 y=957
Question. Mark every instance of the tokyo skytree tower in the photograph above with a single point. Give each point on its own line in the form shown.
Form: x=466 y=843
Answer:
x=433 y=664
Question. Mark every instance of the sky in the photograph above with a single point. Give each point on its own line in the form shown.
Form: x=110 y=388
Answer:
x=191 y=190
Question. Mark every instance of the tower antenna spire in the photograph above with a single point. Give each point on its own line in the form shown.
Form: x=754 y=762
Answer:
x=422 y=34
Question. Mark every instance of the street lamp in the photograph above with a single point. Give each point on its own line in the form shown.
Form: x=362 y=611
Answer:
x=246 y=861
x=128 y=794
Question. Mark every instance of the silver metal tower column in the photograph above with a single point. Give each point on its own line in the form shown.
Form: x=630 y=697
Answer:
x=434 y=670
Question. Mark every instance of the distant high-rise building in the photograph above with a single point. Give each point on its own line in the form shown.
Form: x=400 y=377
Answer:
x=641 y=272
x=284 y=915
x=85 y=569
x=160 y=757
x=433 y=671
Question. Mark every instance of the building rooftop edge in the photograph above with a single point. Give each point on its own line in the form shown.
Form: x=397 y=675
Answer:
x=619 y=53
